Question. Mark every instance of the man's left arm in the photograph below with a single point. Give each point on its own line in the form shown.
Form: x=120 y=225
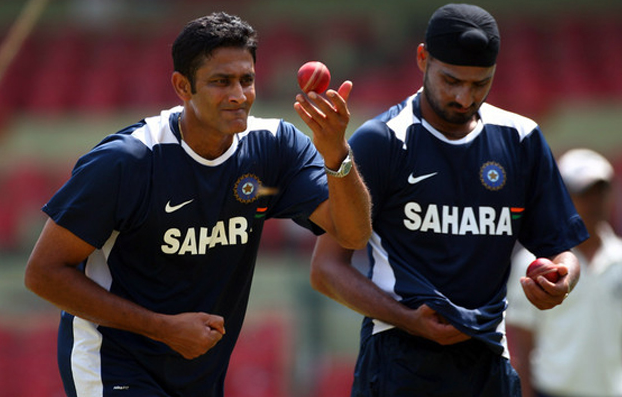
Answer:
x=544 y=294
x=346 y=215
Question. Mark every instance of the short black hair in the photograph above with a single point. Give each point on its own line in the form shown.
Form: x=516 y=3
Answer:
x=200 y=37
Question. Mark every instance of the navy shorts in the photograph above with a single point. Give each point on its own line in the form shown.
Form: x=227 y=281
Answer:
x=111 y=370
x=394 y=364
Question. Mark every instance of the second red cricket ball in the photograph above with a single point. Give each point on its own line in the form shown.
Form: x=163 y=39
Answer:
x=543 y=267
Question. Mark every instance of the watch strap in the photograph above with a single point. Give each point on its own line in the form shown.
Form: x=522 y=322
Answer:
x=344 y=168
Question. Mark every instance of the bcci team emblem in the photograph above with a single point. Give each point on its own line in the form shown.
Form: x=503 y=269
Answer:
x=247 y=188
x=492 y=176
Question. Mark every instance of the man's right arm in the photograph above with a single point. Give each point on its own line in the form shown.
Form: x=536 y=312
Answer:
x=52 y=273
x=333 y=275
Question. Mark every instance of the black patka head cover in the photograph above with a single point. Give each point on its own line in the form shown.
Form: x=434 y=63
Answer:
x=463 y=34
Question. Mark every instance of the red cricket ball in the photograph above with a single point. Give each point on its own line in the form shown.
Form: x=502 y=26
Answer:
x=313 y=76
x=543 y=267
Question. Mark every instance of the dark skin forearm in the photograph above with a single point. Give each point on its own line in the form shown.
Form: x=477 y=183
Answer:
x=51 y=273
x=346 y=214
x=333 y=275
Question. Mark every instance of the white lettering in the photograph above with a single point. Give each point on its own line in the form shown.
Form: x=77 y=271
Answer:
x=468 y=223
x=204 y=240
x=189 y=245
x=218 y=235
x=450 y=219
x=431 y=220
x=413 y=221
x=455 y=220
x=237 y=228
x=505 y=222
x=170 y=239
x=196 y=242
x=487 y=220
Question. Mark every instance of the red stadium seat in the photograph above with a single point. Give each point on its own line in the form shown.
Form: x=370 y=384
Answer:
x=260 y=363
x=335 y=377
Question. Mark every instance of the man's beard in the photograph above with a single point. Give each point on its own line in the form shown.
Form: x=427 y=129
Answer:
x=445 y=112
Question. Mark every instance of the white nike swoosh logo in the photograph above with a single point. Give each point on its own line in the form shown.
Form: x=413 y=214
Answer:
x=172 y=208
x=413 y=179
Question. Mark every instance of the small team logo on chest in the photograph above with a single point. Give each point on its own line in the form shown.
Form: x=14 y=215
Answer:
x=249 y=188
x=492 y=175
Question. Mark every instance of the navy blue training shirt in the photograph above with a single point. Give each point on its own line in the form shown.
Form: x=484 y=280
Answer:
x=177 y=233
x=447 y=213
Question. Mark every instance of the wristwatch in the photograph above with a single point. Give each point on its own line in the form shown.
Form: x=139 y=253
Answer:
x=344 y=169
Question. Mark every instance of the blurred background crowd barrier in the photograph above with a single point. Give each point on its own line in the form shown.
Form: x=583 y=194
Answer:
x=90 y=67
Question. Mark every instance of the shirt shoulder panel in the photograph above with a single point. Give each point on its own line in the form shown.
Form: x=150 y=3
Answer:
x=493 y=115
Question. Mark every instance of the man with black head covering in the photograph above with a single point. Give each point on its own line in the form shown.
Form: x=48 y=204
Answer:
x=455 y=182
